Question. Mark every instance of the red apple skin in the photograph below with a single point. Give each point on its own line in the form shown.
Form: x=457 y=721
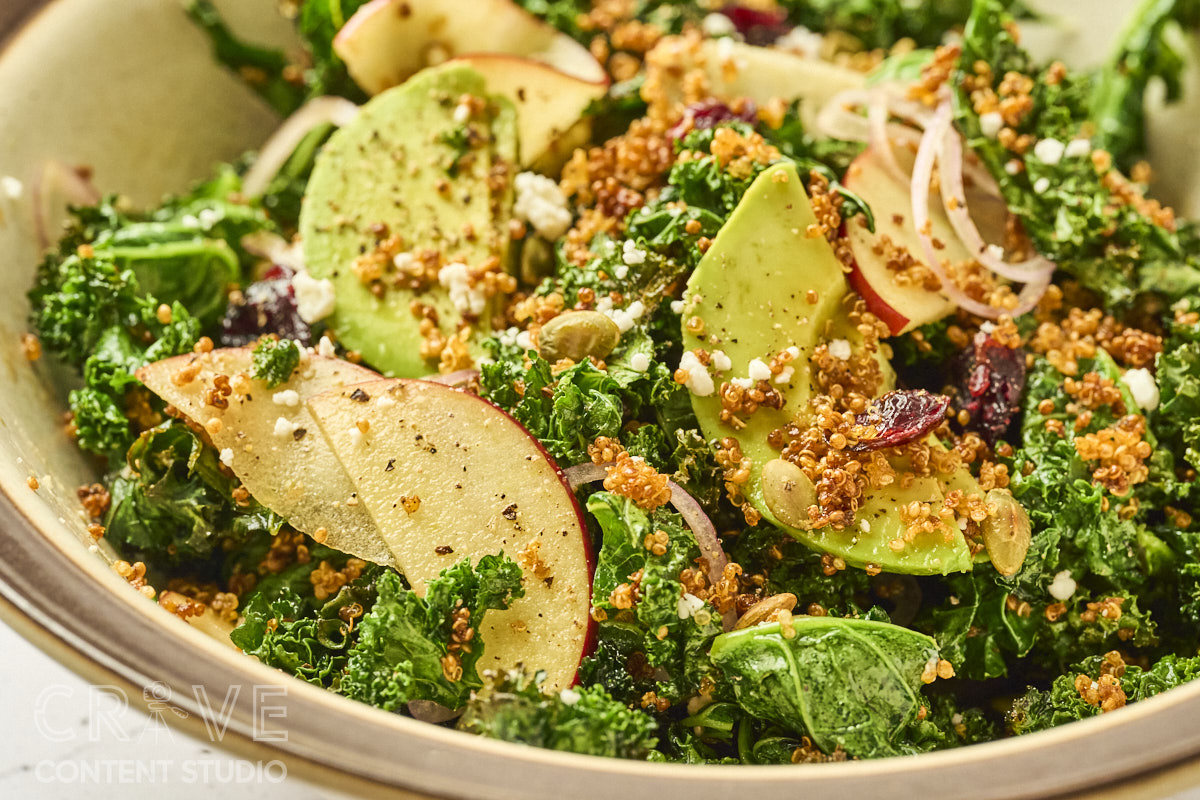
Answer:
x=895 y=321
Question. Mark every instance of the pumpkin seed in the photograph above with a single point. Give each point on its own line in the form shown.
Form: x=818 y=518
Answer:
x=1006 y=534
x=577 y=335
x=766 y=609
x=788 y=493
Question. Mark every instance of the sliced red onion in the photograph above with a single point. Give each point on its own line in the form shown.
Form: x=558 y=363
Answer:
x=56 y=184
x=880 y=141
x=837 y=121
x=954 y=198
x=274 y=248
x=283 y=142
x=687 y=506
x=463 y=377
x=429 y=711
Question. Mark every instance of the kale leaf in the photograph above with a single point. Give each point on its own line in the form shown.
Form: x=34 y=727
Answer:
x=406 y=650
x=512 y=707
x=274 y=360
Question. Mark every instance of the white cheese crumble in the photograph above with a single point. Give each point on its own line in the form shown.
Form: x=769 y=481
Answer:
x=688 y=605
x=864 y=526
x=720 y=361
x=622 y=272
x=636 y=309
x=1041 y=185
x=840 y=349
x=541 y=204
x=1063 y=585
x=12 y=187
x=759 y=371
x=227 y=456
x=284 y=427
x=1012 y=166
x=325 y=348
x=385 y=401
x=1143 y=388
x=716 y=24
x=315 y=299
x=404 y=260
x=524 y=340
x=631 y=254
x=1078 y=148
x=802 y=42
x=356 y=436
x=793 y=351
x=677 y=306
x=288 y=397
x=462 y=113
x=995 y=251
x=991 y=123
x=785 y=374
x=742 y=383
x=467 y=299
x=569 y=697
x=1049 y=150
x=622 y=318
x=698 y=382
x=639 y=362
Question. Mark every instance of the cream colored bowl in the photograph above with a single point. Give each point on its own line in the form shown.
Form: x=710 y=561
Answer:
x=128 y=87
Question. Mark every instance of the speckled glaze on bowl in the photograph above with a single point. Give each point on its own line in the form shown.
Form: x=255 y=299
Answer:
x=128 y=87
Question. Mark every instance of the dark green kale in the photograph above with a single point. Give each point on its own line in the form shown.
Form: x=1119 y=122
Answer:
x=174 y=505
x=639 y=589
x=850 y=685
x=318 y=23
x=881 y=23
x=274 y=360
x=1041 y=709
x=406 y=647
x=1176 y=421
x=512 y=707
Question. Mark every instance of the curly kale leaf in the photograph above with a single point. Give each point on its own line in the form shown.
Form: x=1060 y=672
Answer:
x=1038 y=709
x=513 y=708
x=673 y=636
x=848 y=684
x=1176 y=421
x=174 y=503
x=274 y=360
x=403 y=651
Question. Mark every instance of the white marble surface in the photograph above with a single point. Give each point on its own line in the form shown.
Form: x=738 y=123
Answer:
x=61 y=738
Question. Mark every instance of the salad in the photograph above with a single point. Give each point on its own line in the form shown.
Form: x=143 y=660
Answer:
x=771 y=382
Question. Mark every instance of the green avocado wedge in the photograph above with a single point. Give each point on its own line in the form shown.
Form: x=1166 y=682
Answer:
x=410 y=167
x=751 y=290
x=848 y=683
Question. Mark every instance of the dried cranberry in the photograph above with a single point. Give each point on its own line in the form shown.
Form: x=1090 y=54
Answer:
x=991 y=378
x=756 y=25
x=900 y=417
x=267 y=306
x=709 y=114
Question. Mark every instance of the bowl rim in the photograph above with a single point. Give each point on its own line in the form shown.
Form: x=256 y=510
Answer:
x=50 y=584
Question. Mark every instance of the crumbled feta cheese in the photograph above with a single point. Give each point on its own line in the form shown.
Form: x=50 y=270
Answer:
x=356 y=436
x=1078 y=148
x=864 y=526
x=720 y=361
x=604 y=304
x=467 y=299
x=636 y=309
x=508 y=336
x=742 y=383
x=288 y=397
x=840 y=349
x=987 y=326
x=688 y=605
x=385 y=401
x=991 y=123
x=1041 y=185
x=759 y=371
x=325 y=347
x=631 y=254
x=957 y=719
x=284 y=427
x=785 y=374
x=1063 y=585
x=404 y=261
x=569 y=697
x=1049 y=150
x=622 y=272
x=801 y=41
x=622 y=318
x=717 y=24
x=677 y=306
x=725 y=50
x=995 y=251
x=1143 y=388
x=541 y=204
x=639 y=362
x=12 y=187
x=209 y=217
x=793 y=351
x=698 y=382
x=227 y=456
x=189 y=221
x=524 y=340
x=315 y=299
x=462 y=113
x=1012 y=166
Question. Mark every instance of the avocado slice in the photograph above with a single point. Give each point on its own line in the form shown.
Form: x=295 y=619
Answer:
x=751 y=292
x=395 y=171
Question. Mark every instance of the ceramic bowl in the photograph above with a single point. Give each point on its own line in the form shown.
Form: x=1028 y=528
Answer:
x=129 y=88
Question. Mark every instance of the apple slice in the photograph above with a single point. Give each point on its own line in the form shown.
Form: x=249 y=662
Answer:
x=761 y=74
x=386 y=41
x=271 y=442
x=446 y=476
x=550 y=104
